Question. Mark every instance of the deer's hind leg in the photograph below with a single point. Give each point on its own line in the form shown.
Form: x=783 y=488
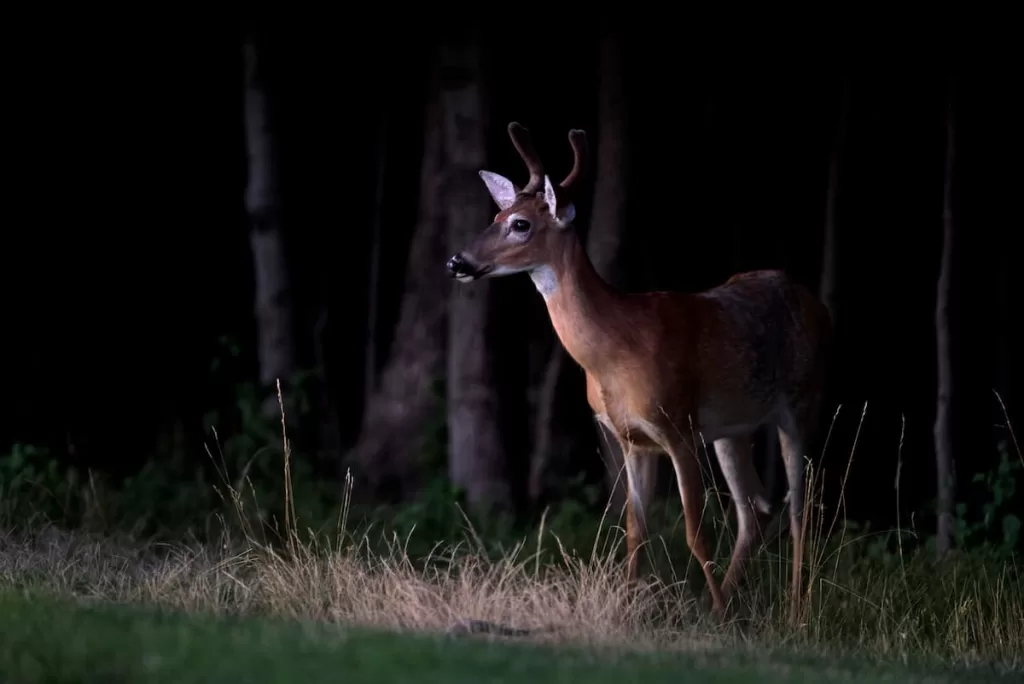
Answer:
x=750 y=498
x=795 y=426
x=686 y=463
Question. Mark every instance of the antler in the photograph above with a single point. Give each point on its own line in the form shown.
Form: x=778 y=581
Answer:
x=578 y=141
x=524 y=145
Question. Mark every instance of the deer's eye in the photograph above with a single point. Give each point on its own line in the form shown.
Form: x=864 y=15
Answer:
x=520 y=225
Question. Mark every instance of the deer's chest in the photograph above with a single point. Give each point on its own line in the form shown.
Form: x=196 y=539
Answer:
x=629 y=415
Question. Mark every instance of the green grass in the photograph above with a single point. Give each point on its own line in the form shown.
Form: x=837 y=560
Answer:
x=49 y=639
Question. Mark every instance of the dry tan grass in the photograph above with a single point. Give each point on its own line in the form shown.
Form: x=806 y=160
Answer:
x=584 y=603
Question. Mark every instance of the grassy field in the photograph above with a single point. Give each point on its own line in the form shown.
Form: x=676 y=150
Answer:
x=78 y=608
x=89 y=607
x=48 y=639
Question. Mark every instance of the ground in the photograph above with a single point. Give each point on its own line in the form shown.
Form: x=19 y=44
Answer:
x=51 y=639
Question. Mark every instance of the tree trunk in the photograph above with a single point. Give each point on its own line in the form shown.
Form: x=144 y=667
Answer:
x=554 y=430
x=546 y=422
x=272 y=306
x=402 y=417
x=476 y=454
x=829 y=255
x=372 y=287
x=829 y=271
x=943 y=429
x=608 y=216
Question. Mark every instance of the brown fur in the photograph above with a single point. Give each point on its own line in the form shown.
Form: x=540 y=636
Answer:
x=664 y=367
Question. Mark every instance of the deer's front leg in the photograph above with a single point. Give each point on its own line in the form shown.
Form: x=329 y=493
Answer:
x=641 y=473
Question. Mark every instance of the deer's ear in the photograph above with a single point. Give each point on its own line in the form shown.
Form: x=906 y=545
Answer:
x=563 y=215
x=568 y=213
x=503 y=191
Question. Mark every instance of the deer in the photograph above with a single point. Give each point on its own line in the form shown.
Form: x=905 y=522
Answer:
x=661 y=366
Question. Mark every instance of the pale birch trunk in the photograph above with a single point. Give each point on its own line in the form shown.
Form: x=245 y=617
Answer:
x=272 y=306
x=476 y=454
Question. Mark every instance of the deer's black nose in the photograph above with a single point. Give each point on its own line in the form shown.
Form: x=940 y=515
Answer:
x=458 y=266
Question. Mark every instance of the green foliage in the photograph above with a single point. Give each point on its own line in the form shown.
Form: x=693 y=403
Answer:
x=175 y=497
x=997 y=530
x=33 y=483
x=177 y=492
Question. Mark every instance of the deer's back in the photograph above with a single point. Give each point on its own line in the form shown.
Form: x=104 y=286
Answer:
x=727 y=356
x=767 y=329
x=732 y=353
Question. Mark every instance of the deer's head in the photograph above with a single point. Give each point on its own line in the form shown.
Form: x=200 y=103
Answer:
x=533 y=222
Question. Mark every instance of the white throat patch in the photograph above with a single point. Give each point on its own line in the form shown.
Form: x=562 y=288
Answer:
x=544 y=280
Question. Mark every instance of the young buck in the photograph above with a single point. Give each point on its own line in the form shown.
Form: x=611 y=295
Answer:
x=661 y=366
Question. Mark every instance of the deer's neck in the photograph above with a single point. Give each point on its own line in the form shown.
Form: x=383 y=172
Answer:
x=585 y=311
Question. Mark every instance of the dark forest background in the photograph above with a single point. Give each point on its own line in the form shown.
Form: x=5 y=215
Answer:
x=133 y=319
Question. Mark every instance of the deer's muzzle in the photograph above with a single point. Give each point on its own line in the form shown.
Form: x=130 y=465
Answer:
x=464 y=270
